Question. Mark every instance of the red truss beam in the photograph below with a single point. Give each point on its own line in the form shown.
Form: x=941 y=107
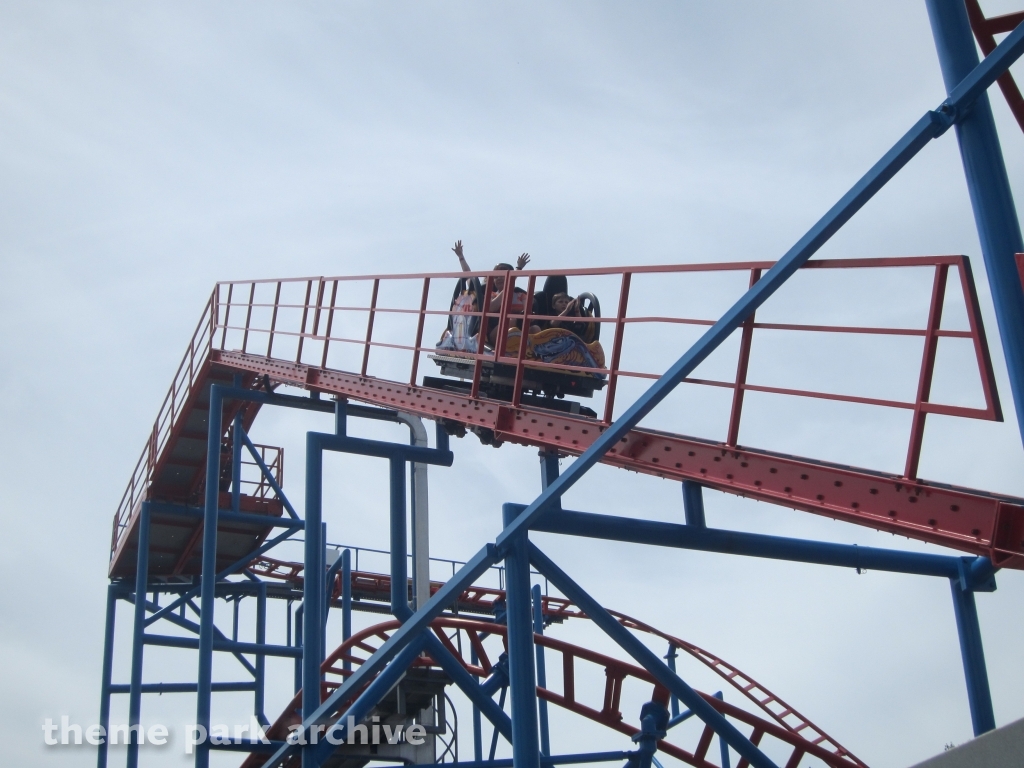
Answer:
x=985 y=30
x=960 y=518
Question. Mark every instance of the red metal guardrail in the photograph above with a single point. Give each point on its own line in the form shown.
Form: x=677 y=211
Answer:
x=309 y=326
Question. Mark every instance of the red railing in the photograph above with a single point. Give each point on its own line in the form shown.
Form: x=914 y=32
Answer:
x=252 y=317
x=190 y=371
x=254 y=482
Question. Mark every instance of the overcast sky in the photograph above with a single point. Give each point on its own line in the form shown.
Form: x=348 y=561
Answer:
x=149 y=151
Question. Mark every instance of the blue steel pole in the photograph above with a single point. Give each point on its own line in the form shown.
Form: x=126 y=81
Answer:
x=693 y=504
x=478 y=742
x=312 y=587
x=522 y=679
x=399 y=567
x=236 y=463
x=138 y=629
x=298 y=644
x=542 y=675
x=991 y=198
x=978 y=694
x=208 y=583
x=261 y=665
x=346 y=601
x=107 y=672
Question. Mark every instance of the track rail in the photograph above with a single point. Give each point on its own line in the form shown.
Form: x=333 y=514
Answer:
x=377 y=586
x=689 y=746
x=959 y=518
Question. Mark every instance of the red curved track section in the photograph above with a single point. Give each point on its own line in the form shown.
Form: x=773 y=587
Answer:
x=376 y=586
x=692 y=748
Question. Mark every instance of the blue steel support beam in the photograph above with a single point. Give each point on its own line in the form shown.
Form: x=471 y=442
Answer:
x=401 y=638
x=368 y=699
x=522 y=678
x=346 y=601
x=542 y=674
x=647 y=659
x=208 y=582
x=138 y=632
x=106 y=673
x=478 y=740
x=627 y=529
x=399 y=546
x=978 y=694
x=236 y=463
x=989 y=186
x=261 y=659
x=233 y=568
x=482 y=702
x=312 y=586
x=693 y=504
x=930 y=126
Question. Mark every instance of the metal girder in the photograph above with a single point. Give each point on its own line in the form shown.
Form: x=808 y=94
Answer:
x=960 y=518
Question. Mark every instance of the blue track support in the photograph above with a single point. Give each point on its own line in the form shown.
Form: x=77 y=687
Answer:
x=138 y=635
x=465 y=682
x=522 y=678
x=375 y=691
x=978 y=694
x=208 y=583
x=258 y=706
x=660 y=534
x=542 y=675
x=312 y=586
x=693 y=504
x=106 y=673
x=478 y=740
x=991 y=198
x=931 y=125
x=346 y=601
x=236 y=463
x=399 y=545
x=647 y=659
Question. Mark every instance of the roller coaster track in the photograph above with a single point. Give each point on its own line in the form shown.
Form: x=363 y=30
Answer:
x=377 y=586
x=790 y=729
x=169 y=469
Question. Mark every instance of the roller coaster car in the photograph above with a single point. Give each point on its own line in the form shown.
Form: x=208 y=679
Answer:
x=541 y=388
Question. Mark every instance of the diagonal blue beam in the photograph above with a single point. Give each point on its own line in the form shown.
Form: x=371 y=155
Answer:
x=473 y=690
x=648 y=659
x=413 y=627
x=268 y=474
x=930 y=126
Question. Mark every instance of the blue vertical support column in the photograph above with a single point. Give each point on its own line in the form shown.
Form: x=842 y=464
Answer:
x=542 y=675
x=261 y=659
x=978 y=694
x=236 y=463
x=522 y=678
x=346 y=601
x=478 y=737
x=693 y=504
x=312 y=587
x=107 y=672
x=208 y=583
x=138 y=630
x=994 y=212
x=399 y=566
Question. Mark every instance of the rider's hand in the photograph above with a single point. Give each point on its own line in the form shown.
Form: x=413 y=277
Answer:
x=458 y=249
x=522 y=261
